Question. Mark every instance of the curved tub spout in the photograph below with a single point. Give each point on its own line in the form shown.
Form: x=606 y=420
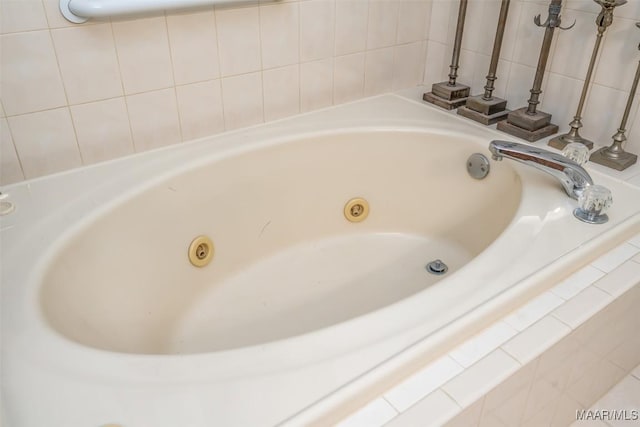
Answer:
x=572 y=176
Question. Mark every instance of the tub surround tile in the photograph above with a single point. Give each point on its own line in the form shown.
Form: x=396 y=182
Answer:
x=377 y=413
x=238 y=32
x=10 y=168
x=468 y=417
x=603 y=376
x=200 y=109
x=582 y=306
x=433 y=410
x=561 y=92
x=574 y=61
x=30 y=77
x=316 y=84
x=242 y=100
x=348 y=78
x=624 y=396
x=577 y=282
x=88 y=62
x=637 y=258
x=351 y=26
x=477 y=380
x=566 y=411
x=154 y=119
x=636 y=372
x=22 y=15
x=281 y=92
x=422 y=383
x=194 y=46
x=49 y=132
x=436 y=53
x=621 y=279
x=533 y=311
x=56 y=20
x=103 y=130
x=408 y=63
x=415 y=17
x=635 y=241
x=280 y=35
x=317 y=23
x=378 y=71
x=617 y=46
x=542 y=335
x=478 y=346
x=383 y=20
x=614 y=258
x=439 y=23
x=143 y=51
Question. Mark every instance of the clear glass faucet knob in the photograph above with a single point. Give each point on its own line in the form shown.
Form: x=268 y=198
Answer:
x=577 y=152
x=593 y=204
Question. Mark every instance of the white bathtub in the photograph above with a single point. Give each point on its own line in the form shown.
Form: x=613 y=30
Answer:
x=104 y=319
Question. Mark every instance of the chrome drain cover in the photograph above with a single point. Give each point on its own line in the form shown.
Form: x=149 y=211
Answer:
x=437 y=267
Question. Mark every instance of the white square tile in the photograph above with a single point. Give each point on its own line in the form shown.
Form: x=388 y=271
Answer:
x=45 y=142
x=194 y=46
x=433 y=410
x=242 y=100
x=534 y=340
x=200 y=109
x=316 y=29
x=348 y=78
x=566 y=411
x=154 y=119
x=383 y=20
x=475 y=381
x=238 y=40
x=615 y=257
x=279 y=30
x=533 y=311
x=316 y=84
x=436 y=53
x=376 y=413
x=30 y=77
x=529 y=37
x=621 y=279
x=519 y=84
x=378 y=72
x=88 y=62
x=561 y=98
x=635 y=241
x=143 y=51
x=408 y=65
x=578 y=281
x=10 y=168
x=481 y=344
x=636 y=258
x=581 y=307
x=625 y=395
x=351 y=26
x=616 y=46
x=423 y=382
x=412 y=19
x=567 y=60
x=22 y=15
x=440 y=18
x=505 y=404
x=636 y=372
x=103 y=130
x=476 y=35
x=281 y=92
x=469 y=417
x=602 y=113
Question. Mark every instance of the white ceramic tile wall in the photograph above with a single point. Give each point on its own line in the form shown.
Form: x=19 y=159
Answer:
x=566 y=67
x=557 y=354
x=163 y=79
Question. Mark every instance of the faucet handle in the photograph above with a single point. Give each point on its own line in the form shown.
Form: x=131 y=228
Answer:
x=577 y=152
x=593 y=204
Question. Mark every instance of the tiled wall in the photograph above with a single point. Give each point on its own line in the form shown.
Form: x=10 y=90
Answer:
x=73 y=94
x=566 y=67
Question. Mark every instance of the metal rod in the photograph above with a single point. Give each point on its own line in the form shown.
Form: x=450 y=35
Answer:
x=552 y=22
x=603 y=21
x=453 y=73
x=495 y=55
x=615 y=150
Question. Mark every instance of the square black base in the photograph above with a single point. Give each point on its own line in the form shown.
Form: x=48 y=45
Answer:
x=525 y=134
x=485 y=119
x=443 y=103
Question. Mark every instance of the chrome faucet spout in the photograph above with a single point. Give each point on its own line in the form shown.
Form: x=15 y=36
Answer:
x=573 y=177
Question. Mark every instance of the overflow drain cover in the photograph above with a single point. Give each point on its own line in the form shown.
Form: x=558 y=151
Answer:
x=437 y=267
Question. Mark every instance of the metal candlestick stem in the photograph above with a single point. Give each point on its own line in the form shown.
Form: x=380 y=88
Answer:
x=603 y=21
x=486 y=108
x=614 y=156
x=451 y=94
x=527 y=122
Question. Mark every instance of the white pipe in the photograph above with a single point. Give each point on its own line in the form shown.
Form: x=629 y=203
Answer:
x=79 y=11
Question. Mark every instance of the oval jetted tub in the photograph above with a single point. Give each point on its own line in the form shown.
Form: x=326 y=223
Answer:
x=106 y=319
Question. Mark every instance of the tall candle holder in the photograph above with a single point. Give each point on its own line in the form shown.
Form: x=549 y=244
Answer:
x=528 y=123
x=486 y=108
x=451 y=94
x=614 y=156
x=603 y=21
